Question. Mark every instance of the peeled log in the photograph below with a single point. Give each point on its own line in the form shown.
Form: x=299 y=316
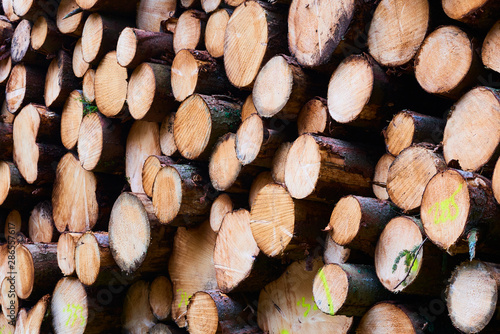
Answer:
x=25 y=86
x=60 y=80
x=491 y=48
x=391 y=318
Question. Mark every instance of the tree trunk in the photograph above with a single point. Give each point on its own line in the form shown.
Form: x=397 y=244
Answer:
x=190 y=30
x=151 y=13
x=491 y=48
x=215 y=30
x=25 y=86
x=151 y=167
x=45 y=38
x=392 y=318
x=72 y=25
x=60 y=80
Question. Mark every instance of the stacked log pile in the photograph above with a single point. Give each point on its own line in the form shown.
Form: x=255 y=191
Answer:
x=241 y=167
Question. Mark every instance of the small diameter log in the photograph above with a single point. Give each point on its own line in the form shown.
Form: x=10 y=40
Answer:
x=454 y=203
x=41 y=223
x=60 y=80
x=200 y=121
x=74 y=200
x=142 y=141
x=491 y=48
x=167 y=141
x=9 y=300
x=72 y=25
x=478 y=14
x=392 y=318
x=149 y=93
x=347 y=289
x=13 y=224
x=127 y=7
x=25 y=86
x=196 y=247
x=224 y=166
x=281 y=225
x=287 y=304
x=5 y=68
x=473 y=144
x=87 y=258
x=79 y=65
x=35 y=316
x=447 y=63
x=397 y=30
x=315 y=118
x=260 y=182
x=190 y=30
x=160 y=297
x=196 y=71
x=100 y=35
x=282 y=87
x=150 y=13
x=220 y=207
x=100 y=145
x=329 y=168
x=66 y=246
x=279 y=163
x=6 y=140
x=137 y=316
x=495 y=181
x=24 y=271
x=357 y=92
x=356 y=222
x=69 y=307
x=71 y=119
x=20 y=49
x=246 y=49
x=136 y=46
x=408 y=127
x=88 y=88
x=215 y=31
x=406 y=179
x=334 y=253
x=8 y=10
x=44 y=36
x=248 y=108
x=111 y=86
x=472 y=295
x=380 y=176
x=150 y=169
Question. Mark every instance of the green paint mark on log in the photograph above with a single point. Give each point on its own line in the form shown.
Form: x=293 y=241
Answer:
x=327 y=290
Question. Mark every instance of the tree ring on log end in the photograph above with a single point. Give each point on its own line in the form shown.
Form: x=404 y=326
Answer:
x=16 y=88
x=92 y=37
x=224 y=166
x=345 y=220
x=126 y=47
x=400 y=133
x=336 y=295
x=184 y=75
x=385 y=318
x=141 y=91
x=202 y=317
x=249 y=138
x=167 y=194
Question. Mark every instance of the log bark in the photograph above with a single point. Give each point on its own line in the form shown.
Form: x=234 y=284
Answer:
x=190 y=30
x=60 y=80
x=478 y=14
x=380 y=176
x=25 y=85
x=167 y=141
x=491 y=47
x=392 y=318
x=215 y=31
x=21 y=50
x=45 y=38
x=80 y=66
x=72 y=25
x=150 y=13
x=151 y=167
x=41 y=223
x=88 y=86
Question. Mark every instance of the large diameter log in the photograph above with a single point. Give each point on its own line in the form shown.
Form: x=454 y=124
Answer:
x=287 y=304
x=397 y=30
x=150 y=13
x=380 y=176
x=356 y=222
x=152 y=165
x=245 y=49
x=111 y=86
x=71 y=119
x=200 y=121
x=454 y=203
x=72 y=25
x=80 y=66
x=25 y=86
x=136 y=46
x=408 y=127
x=473 y=144
x=214 y=32
x=21 y=50
x=167 y=140
x=479 y=14
x=329 y=168
x=491 y=47
x=44 y=37
x=190 y=30
x=391 y=318
x=406 y=179
x=472 y=295
x=60 y=80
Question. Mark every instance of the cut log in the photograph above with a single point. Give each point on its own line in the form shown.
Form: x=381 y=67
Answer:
x=80 y=66
x=260 y=182
x=495 y=181
x=69 y=306
x=224 y=167
x=356 y=222
x=151 y=167
x=454 y=203
x=167 y=141
x=282 y=87
x=181 y=190
x=190 y=30
x=71 y=119
x=41 y=223
x=391 y=318
x=127 y=7
x=24 y=272
x=72 y=25
x=60 y=80
x=330 y=168
x=397 y=30
x=334 y=253
x=409 y=174
x=88 y=86
x=44 y=36
x=149 y=93
x=5 y=68
x=472 y=295
x=150 y=13
x=111 y=86
x=137 y=316
x=8 y=299
x=408 y=127
x=74 y=200
x=31 y=9
x=491 y=47
x=248 y=108
x=220 y=207
x=6 y=141
x=282 y=225
x=5 y=116
x=447 y=63
x=473 y=144
x=200 y=121
x=142 y=141
x=66 y=246
x=315 y=118
x=36 y=315
x=479 y=13
x=8 y=10
x=20 y=49
x=87 y=258
x=287 y=304
x=215 y=30
x=246 y=49
x=357 y=92
x=194 y=246
x=13 y=224
x=380 y=176
x=160 y=297
x=136 y=46
x=279 y=162
x=25 y=86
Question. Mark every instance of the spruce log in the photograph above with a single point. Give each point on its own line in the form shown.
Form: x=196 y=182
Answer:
x=329 y=169
x=41 y=223
x=478 y=14
x=279 y=163
x=491 y=47
x=409 y=174
x=25 y=86
x=334 y=253
x=21 y=50
x=392 y=318
x=88 y=86
x=66 y=245
x=71 y=119
x=167 y=141
x=190 y=30
x=224 y=167
x=200 y=121
x=150 y=13
x=87 y=258
x=127 y=7
x=5 y=68
x=380 y=176
x=72 y=25
x=151 y=167
x=160 y=297
x=222 y=205
x=136 y=46
x=111 y=87
x=137 y=316
x=45 y=37
x=215 y=30
x=60 y=80
x=80 y=66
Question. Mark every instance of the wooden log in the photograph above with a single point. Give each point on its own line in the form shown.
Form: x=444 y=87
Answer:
x=397 y=30
x=292 y=295
x=142 y=141
x=222 y=205
x=20 y=49
x=491 y=45
x=473 y=285
x=334 y=253
x=31 y=9
x=8 y=10
x=167 y=141
x=200 y=121
x=25 y=86
x=9 y=300
x=60 y=80
x=260 y=182
x=72 y=25
x=127 y=7
x=215 y=30
x=279 y=163
x=454 y=203
x=281 y=225
x=80 y=66
x=13 y=224
x=87 y=258
x=190 y=30
x=45 y=37
x=478 y=14
x=151 y=167
x=246 y=49
x=224 y=167
x=6 y=30
x=137 y=315
x=41 y=223
x=71 y=119
x=473 y=144
x=32 y=320
x=195 y=246
x=495 y=181
x=330 y=168
x=404 y=171
x=88 y=86
x=160 y=297
x=6 y=141
x=69 y=306
x=150 y=13
x=5 y=68
x=392 y=318
x=136 y=46
x=408 y=127
x=248 y=108
x=66 y=245
x=380 y=176
x=111 y=86
x=24 y=271
x=315 y=118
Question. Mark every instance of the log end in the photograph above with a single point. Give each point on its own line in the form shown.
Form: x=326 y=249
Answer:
x=167 y=140
x=92 y=37
x=110 y=86
x=330 y=287
x=53 y=82
x=184 y=75
x=25 y=150
x=399 y=133
x=71 y=119
x=69 y=298
x=386 y=318
x=224 y=166
x=345 y=220
x=39 y=33
x=160 y=297
x=66 y=254
x=214 y=32
x=126 y=47
x=202 y=317
x=491 y=48
x=16 y=88
x=220 y=207
x=249 y=138
x=90 y=141
x=71 y=24
x=80 y=66
x=380 y=176
x=167 y=194
x=4 y=181
x=141 y=90
x=87 y=258
x=313 y=117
